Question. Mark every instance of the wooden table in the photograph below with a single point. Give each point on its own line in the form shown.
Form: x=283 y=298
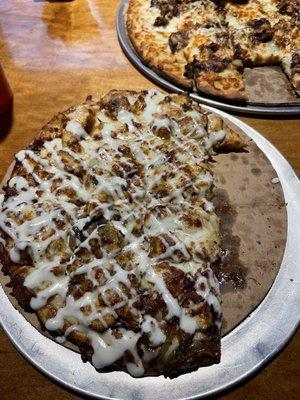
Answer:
x=54 y=55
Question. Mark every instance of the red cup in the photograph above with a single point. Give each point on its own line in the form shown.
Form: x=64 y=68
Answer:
x=6 y=99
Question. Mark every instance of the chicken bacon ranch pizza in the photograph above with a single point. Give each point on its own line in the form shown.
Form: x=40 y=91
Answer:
x=205 y=45
x=108 y=232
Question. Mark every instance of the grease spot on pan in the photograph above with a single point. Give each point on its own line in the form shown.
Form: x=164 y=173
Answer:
x=245 y=160
x=222 y=180
x=230 y=271
x=256 y=171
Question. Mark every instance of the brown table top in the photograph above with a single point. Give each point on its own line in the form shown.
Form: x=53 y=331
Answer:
x=54 y=54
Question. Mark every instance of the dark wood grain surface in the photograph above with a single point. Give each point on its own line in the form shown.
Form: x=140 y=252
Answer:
x=55 y=54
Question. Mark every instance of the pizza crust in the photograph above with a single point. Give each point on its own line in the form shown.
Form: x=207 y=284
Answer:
x=204 y=86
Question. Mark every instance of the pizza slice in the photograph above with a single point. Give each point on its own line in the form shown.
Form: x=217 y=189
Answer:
x=266 y=33
x=252 y=31
x=149 y=27
x=211 y=62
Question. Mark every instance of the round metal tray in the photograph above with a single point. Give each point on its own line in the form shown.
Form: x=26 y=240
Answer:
x=244 y=350
x=274 y=111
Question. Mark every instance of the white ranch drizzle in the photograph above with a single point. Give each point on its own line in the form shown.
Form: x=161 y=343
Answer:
x=151 y=326
x=108 y=349
x=45 y=214
x=74 y=126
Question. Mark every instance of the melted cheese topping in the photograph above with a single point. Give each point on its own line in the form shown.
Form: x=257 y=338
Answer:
x=239 y=16
x=114 y=212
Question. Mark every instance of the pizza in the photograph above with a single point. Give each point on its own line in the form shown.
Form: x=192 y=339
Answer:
x=205 y=45
x=108 y=232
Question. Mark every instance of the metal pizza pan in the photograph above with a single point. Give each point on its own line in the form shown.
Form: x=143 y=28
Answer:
x=244 y=350
x=245 y=108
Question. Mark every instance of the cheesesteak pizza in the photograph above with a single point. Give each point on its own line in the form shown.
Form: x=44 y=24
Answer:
x=205 y=45
x=108 y=232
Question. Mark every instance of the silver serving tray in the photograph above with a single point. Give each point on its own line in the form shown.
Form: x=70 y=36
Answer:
x=244 y=350
x=270 y=110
